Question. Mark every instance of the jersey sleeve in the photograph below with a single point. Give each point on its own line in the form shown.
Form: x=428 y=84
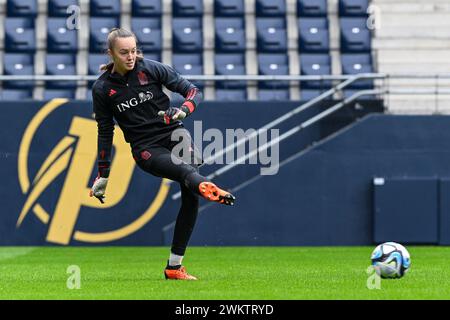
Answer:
x=173 y=81
x=105 y=126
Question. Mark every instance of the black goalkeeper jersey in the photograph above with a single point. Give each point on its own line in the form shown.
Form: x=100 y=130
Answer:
x=134 y=100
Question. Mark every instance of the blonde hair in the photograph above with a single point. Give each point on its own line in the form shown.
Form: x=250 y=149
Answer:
x=112 y=36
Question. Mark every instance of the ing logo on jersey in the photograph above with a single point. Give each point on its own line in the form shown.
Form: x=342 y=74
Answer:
x=76 y=153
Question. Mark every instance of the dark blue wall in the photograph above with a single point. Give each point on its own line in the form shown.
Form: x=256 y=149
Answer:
x=322 y=195
x=325 y=196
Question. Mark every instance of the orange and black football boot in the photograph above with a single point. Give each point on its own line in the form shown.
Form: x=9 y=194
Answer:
x=211 y=192
x=177 y=273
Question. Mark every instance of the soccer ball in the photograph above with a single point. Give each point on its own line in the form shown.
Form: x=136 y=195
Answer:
x=390 y=260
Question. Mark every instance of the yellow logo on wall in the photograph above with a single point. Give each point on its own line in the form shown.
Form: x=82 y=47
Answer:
x=77 y=153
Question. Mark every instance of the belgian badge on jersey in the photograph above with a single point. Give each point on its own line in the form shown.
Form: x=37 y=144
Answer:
x=142 y=78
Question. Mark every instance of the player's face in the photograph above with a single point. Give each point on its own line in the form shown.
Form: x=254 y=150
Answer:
x=124 y=54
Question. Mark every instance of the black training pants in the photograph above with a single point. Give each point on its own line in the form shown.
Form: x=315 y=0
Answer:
x=160 y=160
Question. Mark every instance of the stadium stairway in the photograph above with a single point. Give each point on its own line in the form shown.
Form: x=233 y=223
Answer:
x=324 y=195
x=244 y=176
x=413 y=36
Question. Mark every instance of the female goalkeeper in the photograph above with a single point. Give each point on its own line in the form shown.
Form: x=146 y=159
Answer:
x=130 y=91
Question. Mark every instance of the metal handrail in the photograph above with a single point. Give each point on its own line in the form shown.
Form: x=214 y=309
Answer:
x=275 y=122
x=240 y=77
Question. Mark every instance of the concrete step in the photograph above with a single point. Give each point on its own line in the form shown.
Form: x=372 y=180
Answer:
x=408 y=2
x=414 y=56
x=414 y=20
x=425 y=104
x=413 y=67
x=411 y=44
x=418 y=83
x=402 y=31
x=421 y=7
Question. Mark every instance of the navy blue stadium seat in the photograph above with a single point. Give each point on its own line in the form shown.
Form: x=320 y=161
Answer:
x=146 y=8
x=59 y=38
x=95 y=60
x=18 y=64
x=55 y=93
x=60 y=64
x=187 y=35
x=270 y=8
x=273 y=64
x=148 y=33
x=269 y=94
x=104 y=8
x=189 y=64
x=99 y=29
x=314 y=65
x=355 y=64
x=353 y=8
x=187 y=8
x=271 y=35
x=313 y=35
x=230 y=35
x=308 y=94
x=21 y=8
x=231 y=94
x=229 y=8
x=156 y=56
x=58 y=8
x=355 y=36
x=20 y=35
x=15 y=94
x=230 y=64
x=312 y=8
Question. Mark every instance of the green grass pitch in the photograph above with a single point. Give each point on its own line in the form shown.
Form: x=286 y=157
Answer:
x=255 y=273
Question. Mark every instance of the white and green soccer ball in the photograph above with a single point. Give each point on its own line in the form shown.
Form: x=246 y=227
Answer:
x=390 y=260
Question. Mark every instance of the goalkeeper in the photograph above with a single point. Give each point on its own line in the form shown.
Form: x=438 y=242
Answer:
x=130 y=91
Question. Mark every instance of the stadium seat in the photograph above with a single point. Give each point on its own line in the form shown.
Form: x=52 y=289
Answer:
x=270 y=8
x=58 y=8
x=313 y=65
x=187 y=8
x=273 y=64
x=271 y=35
x=231 y=94
x=146 y=8
x=99 y=29
x=104 y=8
x=15 y=94
x=148 y=33
x=355 y=36
x=230 y=64
x=54 y=93
x=59 y=38
x=187 y=35
x=94 y=63
x=353 y=8
x=268 y=94
x=189 y=64
x=229 y=8
x=308 y=94
x=313 y=35
x=156 y=56
x=60 y=64
x=22 y=8
x=230 y=35
x=18 y=64
x=312 y=8
x=355 y=64
x=20 y=35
